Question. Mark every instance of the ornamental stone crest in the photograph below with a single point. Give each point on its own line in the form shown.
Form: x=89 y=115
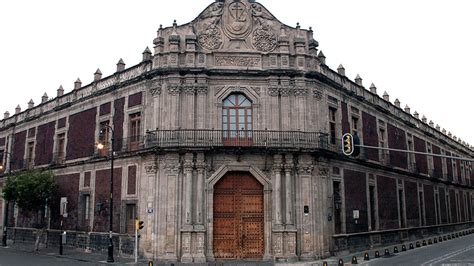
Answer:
x=263 y=38
x=211 y=38
x=237 y=19
x=245 y=23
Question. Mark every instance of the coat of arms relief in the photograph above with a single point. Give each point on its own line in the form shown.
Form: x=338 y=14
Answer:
x=240 y=21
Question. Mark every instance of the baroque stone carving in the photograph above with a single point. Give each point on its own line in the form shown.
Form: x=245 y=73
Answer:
x=237 y=19
x=174 y=89
x=239 y=61
x=151 y=169
x=211 y=38
x=263 y=39
x=155 y=89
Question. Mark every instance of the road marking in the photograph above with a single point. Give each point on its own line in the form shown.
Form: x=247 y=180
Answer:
x=447 y=256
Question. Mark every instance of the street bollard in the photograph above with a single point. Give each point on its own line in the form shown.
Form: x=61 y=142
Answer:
x=435 y=240
x=411 y=246
x=377 y=254
x=387 y=253
x=424 y=242
x=440 y=239
x=325 y=263
x=354 y=260
x=404 y=248
x=366 y=256
x=430 y=242
x=449 y=237
x=340 y=262
x=150 y=263
x=418 y=244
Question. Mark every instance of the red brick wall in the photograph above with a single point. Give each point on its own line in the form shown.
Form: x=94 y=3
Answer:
x=442 y=206
x=18 y=150
x=105 y=109
x=118 y=122
x=452 y=202
x=135 y=99
x=421 y=160
x=387 y=202
x=438 y=165
x=430 y=211
x=132 y=180
x=68 y=186
x=2 y=142
x=355 y=191
x=81 y=134
x=45 y=143
x=397 y=140
x=102 y=195
x=370 y=136
x=345 y=119
x=411 y=201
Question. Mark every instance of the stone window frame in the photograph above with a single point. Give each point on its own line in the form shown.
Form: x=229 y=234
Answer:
x=125 y=182
x=58 y=131
x=333 y=103
x=384 y=155
x=123 y=213
x=338 y=178
x=401 y=187
x=421 y=204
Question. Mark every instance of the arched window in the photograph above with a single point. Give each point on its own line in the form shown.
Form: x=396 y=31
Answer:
x=237 y=116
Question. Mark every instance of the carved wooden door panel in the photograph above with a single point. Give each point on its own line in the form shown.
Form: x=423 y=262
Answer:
x=238 y=217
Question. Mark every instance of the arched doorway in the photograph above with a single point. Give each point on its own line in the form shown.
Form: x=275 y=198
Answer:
x=238 y=217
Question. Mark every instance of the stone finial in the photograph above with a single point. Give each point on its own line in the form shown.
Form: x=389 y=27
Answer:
x=444 y=131
x=322 y=57
x=44 y=98
x=407 y=109
x=97 y=75
x=424 y=119
x=77 y=84
x=455 y=138
x=438 y=127
x=60 y=91
x=120 y=65
x=6 y=115
x=397 y=103
x=358 y=80
x=416 y=115
x=175 y=28
x=298 y=26
x=146 y=55
x=449 y=134
x=17 y=109
x=431 y=123
x=31 y=104
x=386 y=97
x=373 y=89
x=341 y=70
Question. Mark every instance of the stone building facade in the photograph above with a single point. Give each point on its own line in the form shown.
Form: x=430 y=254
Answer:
x=227 y=145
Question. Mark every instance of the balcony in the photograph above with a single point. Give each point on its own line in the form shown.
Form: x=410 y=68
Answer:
x=203 y=138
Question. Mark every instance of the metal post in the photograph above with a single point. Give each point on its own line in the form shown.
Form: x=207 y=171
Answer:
x=61 y=237
x=136 y=242
x=110 y=257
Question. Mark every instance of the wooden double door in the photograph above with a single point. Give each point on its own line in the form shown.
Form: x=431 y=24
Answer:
x=238 y=217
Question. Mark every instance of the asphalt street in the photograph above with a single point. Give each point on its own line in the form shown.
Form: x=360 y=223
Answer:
x=459 y=251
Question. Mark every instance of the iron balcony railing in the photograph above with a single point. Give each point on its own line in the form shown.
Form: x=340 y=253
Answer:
x=184 y=138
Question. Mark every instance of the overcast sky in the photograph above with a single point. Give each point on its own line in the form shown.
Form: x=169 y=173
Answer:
x=420 y=52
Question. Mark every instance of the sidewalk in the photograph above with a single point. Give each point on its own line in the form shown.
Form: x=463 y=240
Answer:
x=76 y=254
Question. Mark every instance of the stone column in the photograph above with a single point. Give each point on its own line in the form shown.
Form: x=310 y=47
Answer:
x=200 y=231
x=307 y=218
x=288 y=189
x=188 y=192
x=200 y=165
x=187 y=215
x=277 y=165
